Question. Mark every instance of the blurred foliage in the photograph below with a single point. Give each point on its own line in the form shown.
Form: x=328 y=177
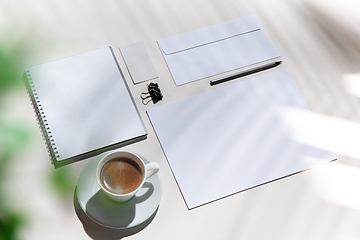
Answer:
x=13 y=138
x=10 y=67
x=9 y=225
x=63 y=181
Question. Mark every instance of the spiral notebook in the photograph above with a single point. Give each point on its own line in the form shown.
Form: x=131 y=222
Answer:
x=83 y=106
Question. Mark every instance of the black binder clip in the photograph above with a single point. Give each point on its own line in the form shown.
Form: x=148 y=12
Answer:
x=153 y=92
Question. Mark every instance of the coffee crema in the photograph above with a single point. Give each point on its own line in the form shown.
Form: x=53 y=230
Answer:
x=121 y=176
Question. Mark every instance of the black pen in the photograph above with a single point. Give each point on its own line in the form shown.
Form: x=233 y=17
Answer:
x=245 y=73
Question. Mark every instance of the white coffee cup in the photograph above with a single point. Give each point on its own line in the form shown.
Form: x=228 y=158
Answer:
x=147 y=170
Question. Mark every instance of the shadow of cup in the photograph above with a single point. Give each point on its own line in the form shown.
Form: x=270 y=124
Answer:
x=144 y=193
x=118 y=215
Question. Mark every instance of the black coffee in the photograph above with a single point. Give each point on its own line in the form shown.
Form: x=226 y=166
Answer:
x=121 y=175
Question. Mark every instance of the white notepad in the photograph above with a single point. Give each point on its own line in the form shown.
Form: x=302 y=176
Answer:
x=236 y=137
x=83 y=106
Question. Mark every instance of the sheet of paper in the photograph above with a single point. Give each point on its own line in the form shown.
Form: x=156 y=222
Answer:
x=216 y=49
x=236 y=137
x=138 y=62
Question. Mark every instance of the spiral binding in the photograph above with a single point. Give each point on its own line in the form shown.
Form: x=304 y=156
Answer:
x=41 y=118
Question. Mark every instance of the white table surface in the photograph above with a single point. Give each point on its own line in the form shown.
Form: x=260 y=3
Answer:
x=322 y=203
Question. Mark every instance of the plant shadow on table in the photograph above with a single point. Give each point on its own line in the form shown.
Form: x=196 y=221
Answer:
x=111 y=210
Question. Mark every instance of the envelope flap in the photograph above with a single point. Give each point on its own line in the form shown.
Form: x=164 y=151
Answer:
x=209 y=35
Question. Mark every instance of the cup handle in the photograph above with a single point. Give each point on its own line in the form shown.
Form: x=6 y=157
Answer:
x=151 y=169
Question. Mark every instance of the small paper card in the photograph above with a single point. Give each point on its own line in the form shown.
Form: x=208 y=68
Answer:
x=138 y=62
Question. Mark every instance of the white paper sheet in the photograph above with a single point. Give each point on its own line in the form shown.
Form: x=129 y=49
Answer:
x=216 y=49
x=236 y=137
x=138 y=62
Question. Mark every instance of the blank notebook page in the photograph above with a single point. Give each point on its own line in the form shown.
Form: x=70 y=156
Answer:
x=236 y=137
x=86 y=102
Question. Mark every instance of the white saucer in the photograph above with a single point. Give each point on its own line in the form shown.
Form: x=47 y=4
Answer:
x=109 y=213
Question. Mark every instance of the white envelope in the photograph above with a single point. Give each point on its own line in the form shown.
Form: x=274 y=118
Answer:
x=216 y=49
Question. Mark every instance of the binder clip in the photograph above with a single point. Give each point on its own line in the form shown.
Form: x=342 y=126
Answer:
x=154 y=93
